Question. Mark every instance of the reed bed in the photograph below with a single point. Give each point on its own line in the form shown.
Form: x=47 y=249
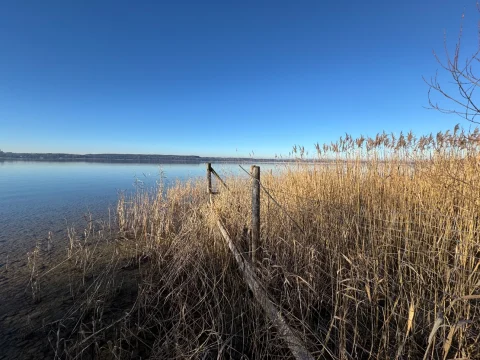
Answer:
x=372 y=253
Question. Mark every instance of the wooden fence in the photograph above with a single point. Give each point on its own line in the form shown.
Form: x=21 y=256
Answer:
x=247 y=266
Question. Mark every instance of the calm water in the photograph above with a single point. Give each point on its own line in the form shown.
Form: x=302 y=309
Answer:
x=38 y=197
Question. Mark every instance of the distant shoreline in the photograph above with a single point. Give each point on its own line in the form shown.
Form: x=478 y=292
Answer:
x=131 y=158
x=157 y=159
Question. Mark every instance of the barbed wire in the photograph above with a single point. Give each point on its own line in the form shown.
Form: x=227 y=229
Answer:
x=386 y=220
x=275 y=201
x=401 y=236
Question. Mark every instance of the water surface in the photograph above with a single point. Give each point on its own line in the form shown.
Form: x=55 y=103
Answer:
x=38 y=197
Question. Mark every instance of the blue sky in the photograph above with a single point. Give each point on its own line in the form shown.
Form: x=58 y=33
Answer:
x=223 y=78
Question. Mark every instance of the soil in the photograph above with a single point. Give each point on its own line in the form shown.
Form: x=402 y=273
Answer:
x=28 y=323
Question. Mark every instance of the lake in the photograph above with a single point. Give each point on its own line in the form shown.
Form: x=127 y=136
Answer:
x=38 y=197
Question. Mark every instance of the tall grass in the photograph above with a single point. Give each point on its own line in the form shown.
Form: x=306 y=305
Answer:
x=372 y=253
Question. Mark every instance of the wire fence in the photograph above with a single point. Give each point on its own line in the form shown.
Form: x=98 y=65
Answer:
x=432 y=256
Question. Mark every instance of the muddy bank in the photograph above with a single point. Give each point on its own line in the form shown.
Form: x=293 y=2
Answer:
x=44 y=293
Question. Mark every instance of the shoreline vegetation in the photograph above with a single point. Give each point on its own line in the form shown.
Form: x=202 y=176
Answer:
x=374 y=257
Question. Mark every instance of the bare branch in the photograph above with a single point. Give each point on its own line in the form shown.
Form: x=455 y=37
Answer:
x=463 y=77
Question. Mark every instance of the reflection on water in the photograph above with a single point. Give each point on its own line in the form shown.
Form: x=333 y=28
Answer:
x=37 y=197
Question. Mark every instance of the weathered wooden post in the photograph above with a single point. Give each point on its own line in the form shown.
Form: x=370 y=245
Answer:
x=255 y=171
x=209 y=177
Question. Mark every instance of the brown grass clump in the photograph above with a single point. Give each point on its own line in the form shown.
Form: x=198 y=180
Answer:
x=371 y=253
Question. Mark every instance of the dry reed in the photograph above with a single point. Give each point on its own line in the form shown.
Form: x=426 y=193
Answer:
x=371 y=252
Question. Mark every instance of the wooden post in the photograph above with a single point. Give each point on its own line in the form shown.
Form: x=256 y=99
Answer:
x=271 y=309
x=209 y=177
x=255 y=171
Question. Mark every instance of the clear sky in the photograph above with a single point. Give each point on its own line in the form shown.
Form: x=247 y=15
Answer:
x=222 y=78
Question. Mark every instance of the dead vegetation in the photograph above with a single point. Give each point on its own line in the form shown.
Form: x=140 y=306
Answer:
x=372 y=255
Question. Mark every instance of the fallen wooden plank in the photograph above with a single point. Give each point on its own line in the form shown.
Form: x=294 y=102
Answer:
x=259 y=292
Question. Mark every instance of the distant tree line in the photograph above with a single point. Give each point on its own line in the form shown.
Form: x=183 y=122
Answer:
x=141 y=158
x=97 y=157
